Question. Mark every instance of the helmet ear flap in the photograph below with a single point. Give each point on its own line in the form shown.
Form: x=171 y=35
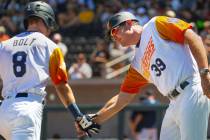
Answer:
x=52 y=24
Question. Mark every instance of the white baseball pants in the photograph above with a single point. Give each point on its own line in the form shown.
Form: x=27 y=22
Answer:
x=21 y=117
x=187 y=116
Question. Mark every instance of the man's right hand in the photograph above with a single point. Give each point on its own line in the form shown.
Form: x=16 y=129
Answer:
x=86 y=124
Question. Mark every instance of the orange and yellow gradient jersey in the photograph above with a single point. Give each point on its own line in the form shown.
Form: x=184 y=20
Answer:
x=171 y=29
x=133 y=82
x=57 y=67
x=162 y=57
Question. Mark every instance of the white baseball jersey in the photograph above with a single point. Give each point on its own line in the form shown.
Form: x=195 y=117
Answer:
x=161 y=57
x=25 y=62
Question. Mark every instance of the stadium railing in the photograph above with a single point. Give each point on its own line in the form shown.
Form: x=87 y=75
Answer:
x=115 y=61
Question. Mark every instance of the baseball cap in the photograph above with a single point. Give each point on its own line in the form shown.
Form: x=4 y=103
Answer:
x=118 y=19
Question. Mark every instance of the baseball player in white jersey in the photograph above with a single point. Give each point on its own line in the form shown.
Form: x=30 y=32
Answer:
x=170 y=55
x=28 y=61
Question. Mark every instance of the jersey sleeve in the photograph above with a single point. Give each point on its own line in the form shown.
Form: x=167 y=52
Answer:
x=133 y=82
x=171 y=28
x=57 y=67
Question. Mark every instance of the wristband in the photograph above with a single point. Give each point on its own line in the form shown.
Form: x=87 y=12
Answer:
x=75 y=110
x=204 y=71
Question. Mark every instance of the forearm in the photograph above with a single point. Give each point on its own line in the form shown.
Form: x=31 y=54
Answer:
x=65 y=94
x=197 y=48
x=109 y=110
x=67 y=97
x=113 y=106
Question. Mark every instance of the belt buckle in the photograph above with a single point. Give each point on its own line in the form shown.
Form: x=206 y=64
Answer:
x=176 y=92
x=173 y=94
x=170 y=96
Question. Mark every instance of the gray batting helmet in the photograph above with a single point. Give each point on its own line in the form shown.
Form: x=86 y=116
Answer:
x=42 y=10
x=119 y=18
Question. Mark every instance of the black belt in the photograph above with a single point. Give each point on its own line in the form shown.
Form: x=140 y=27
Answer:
x=21 y=94
x=175 y=93
x=24 y=94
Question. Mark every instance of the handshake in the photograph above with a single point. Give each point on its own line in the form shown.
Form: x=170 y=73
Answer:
x=85 y=125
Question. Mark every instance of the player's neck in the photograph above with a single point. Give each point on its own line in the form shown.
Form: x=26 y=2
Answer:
x=137 y=35
x=33 y=29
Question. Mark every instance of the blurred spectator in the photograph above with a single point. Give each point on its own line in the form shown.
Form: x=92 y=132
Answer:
x=205 y=34
x=142 y=16
x=128 y=7
x=142 y=123
x=206 y=42
x=188 y=4
x=176 y=4
x=69 y=18
x=152 y=12
x=81 y=69
x=160 y=7
x=103 y=12
x=170 y=13
x=116 y=50
x=89 y=3
x=206 y=29
x=86 y=15
x=106 y=8
x=99 y=57
x=17 y=19
x=101 y=54
x=6 y=21
x=186 y=14
x=57 y=38
x=3 y=35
